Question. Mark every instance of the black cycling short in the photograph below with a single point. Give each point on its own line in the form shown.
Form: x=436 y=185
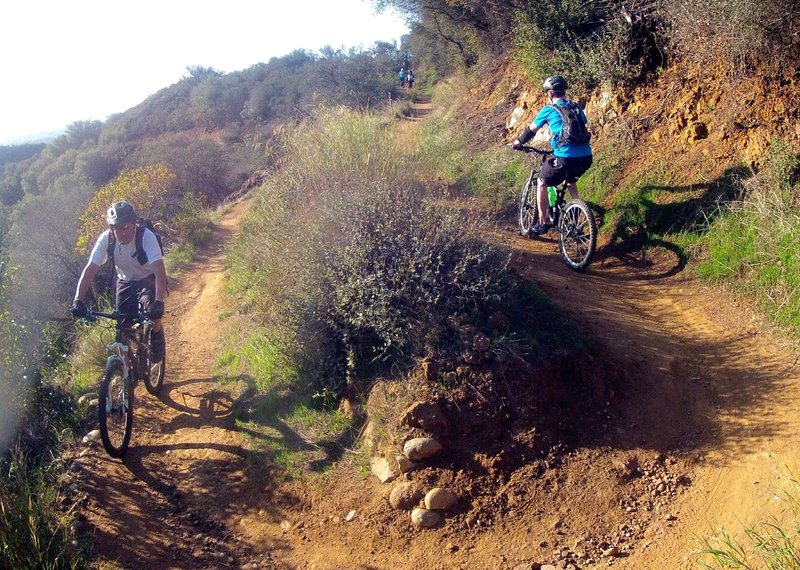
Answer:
x=556 y=169
x=129 y=293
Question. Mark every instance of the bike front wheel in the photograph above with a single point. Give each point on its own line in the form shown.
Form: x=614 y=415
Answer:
x=115 y=410
x=528 y=207
x=577 y=235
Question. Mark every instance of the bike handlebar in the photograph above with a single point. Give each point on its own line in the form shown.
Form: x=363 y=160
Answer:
x=528 y=149
x=91 y=316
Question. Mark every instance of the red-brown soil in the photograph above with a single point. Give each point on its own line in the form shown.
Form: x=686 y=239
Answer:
x=680 y=417
x=700 y=397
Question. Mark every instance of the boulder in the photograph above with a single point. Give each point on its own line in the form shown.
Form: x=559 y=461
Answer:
x=424 y=518
x=427 y=416
x=439 y=499
x=404 y=464
x=370 y=437
x=92 y=437
x=420 y=448
x=87 y=398
x=405 y=496
x=382 y=470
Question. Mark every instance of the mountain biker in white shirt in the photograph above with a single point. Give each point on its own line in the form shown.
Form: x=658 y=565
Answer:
x=135 y=280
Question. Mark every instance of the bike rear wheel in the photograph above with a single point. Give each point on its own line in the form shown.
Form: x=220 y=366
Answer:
x=577 y=235
x=528 y=207
x=115 y=410
x=154 y=375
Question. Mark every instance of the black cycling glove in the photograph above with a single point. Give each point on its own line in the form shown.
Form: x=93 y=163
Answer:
x=79 y=309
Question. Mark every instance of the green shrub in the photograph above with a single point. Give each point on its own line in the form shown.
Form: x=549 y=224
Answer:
x=405 y=269
x=586 y=42
x=192 y=224
x=190 y=228
x=345 y=252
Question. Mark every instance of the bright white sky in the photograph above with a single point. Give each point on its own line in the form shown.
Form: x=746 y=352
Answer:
x=65 y=61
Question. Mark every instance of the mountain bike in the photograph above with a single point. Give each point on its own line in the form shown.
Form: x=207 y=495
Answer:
x=573 y=220
x=128 y=362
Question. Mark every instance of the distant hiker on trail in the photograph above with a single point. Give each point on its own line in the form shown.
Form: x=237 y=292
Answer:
x=138 y=261
x=402 y=77
x=572 y=153
x=410 y=79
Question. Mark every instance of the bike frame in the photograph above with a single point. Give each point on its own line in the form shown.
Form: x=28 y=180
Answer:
x=573 y=219
x=557 y=209
x=121 y=349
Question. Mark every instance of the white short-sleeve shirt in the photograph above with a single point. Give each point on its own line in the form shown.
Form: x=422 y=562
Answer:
x=128 y=267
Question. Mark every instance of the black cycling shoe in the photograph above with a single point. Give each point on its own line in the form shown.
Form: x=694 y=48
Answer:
x=540 y=229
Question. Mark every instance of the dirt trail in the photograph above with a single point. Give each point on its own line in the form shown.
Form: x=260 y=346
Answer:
x=691 y=374
x=703 y=376
x=171 y=502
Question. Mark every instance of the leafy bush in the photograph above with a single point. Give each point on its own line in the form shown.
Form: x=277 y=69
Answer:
x=586 y=42
x=350 y=255
x=192 y=224
x=147 y=188
x=407 y=266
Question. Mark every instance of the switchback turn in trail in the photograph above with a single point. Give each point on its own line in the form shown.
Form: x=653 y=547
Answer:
x=700 y=396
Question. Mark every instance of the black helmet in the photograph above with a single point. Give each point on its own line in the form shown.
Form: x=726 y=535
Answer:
x=119 y=213
x=555 y=83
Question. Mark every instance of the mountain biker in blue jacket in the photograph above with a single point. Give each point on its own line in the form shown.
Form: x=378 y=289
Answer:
x=569 y=161
x=146 y=279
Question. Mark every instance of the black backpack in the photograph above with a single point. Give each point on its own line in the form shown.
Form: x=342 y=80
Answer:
x=141 y=255
x=573 y=130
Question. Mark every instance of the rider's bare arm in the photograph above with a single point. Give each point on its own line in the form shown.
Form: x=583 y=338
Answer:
x=161 y=279
x=87 y=278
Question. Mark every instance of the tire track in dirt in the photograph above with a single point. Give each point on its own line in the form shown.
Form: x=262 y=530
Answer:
x=697 y=372
x=688 y=372
x=177 y=498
